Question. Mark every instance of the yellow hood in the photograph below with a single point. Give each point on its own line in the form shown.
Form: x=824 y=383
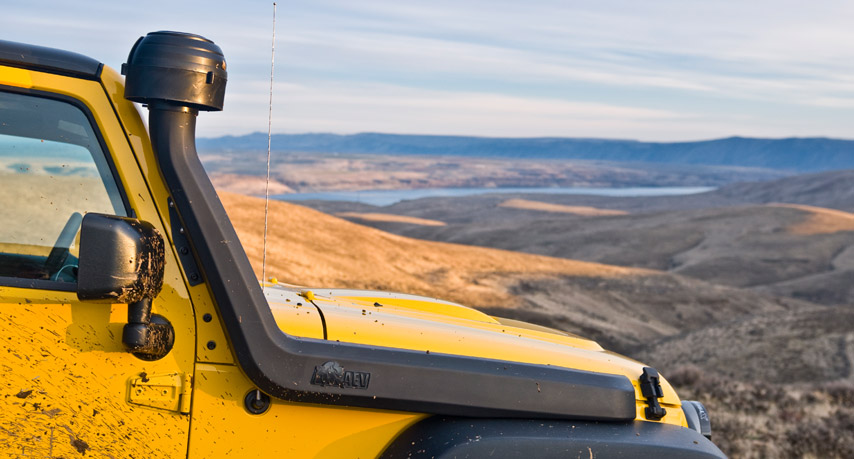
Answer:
x=436 y=326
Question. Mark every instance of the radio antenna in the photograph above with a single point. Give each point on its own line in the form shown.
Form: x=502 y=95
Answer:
x=269 y=141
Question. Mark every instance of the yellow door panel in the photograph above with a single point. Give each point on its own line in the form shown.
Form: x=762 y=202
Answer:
x=223 y=428
x=65 y=376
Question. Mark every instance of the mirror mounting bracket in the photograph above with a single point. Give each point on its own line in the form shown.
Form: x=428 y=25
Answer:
x=148 y=336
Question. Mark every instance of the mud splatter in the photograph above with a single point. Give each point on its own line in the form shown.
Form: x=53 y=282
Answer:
x=24 y=393
x=80 y=445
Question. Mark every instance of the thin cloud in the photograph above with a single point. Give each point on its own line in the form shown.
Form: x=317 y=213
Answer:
x=661 y=70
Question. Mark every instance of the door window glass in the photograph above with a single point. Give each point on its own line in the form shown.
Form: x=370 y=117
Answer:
x=52 y=171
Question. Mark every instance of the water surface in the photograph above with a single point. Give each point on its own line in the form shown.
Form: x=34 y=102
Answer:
x=388 y=197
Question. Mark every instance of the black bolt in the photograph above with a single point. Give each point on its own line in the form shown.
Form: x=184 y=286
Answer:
x=256 y=402
x=184 y=250
x=207 y=317
x=211 y=345
x=194 y=276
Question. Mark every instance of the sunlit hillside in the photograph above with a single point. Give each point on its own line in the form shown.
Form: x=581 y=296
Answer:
x=307 y=247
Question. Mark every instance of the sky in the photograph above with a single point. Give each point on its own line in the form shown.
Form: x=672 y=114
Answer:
x=655 y=70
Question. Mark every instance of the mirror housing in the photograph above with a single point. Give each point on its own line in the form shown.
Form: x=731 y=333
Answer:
x=121 y=261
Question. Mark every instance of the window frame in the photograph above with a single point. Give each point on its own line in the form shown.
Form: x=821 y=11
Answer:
x=41 y=284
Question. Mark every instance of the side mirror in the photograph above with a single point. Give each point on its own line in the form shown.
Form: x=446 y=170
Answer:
x=121 y=261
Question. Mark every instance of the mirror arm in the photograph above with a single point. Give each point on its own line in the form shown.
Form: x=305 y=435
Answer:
x=147 y=336
x=135 y=334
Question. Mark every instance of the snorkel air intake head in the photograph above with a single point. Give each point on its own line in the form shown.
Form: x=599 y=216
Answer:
x=180 y=69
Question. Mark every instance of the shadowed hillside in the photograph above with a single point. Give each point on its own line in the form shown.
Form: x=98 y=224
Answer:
x=833 y=189
x=777 y=385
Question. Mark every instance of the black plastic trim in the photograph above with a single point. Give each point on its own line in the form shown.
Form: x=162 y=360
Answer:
x=182 y=247
x=446 y=438
x=49 y=60
x=283 y=366
x=650 y=386
x=108 y=158
x=41 y=284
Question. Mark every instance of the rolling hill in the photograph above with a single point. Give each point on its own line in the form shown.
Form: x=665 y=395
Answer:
x=621 y=307
x=834 y=189
x=737 y=236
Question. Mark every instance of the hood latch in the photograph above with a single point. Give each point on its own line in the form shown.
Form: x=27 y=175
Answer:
x=650 y=386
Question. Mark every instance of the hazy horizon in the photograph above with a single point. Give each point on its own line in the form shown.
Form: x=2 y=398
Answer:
x=525 y=137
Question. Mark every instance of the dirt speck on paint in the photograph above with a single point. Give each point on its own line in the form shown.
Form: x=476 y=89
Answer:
x=80 y=445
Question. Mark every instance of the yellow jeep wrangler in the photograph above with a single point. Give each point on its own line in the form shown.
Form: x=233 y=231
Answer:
x=132 y=325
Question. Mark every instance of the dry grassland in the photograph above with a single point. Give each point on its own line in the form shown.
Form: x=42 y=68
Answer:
x=310 y=248
x=819 y=220
x=586 y=211
x=390 y=218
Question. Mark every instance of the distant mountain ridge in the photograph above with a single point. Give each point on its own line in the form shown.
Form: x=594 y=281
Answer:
x=794 y=154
